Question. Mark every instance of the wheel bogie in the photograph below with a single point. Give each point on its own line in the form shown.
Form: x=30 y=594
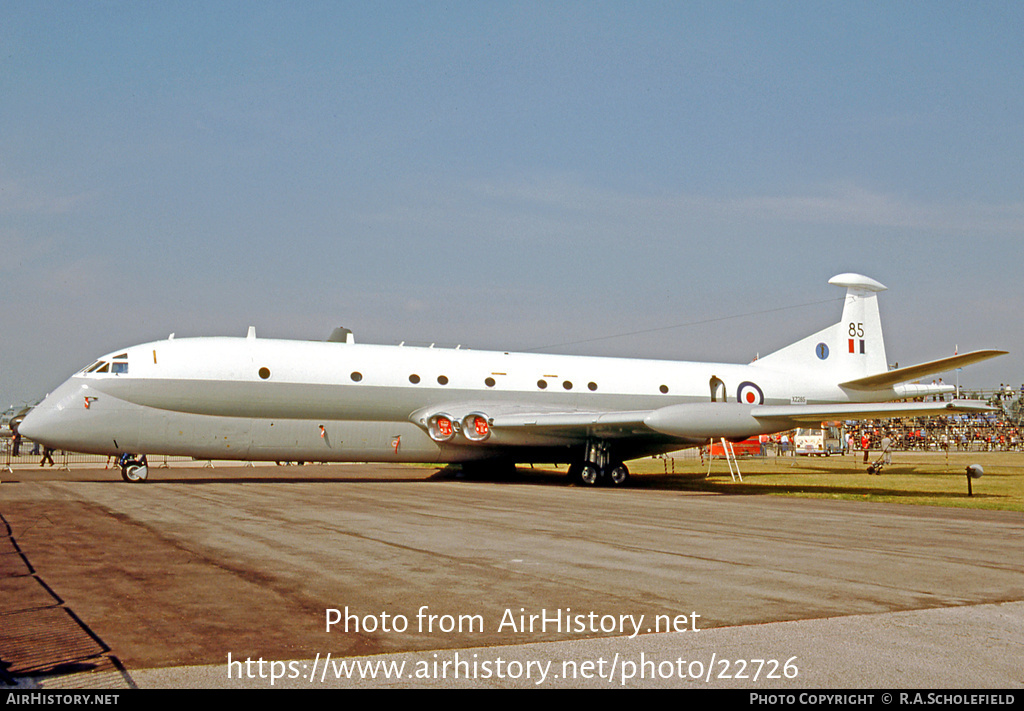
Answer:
x=590 y=474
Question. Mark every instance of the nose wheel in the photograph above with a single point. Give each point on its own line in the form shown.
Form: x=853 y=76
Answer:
x=135 y=471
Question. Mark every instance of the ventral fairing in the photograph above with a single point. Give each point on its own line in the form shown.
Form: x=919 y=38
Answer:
x=258 y=399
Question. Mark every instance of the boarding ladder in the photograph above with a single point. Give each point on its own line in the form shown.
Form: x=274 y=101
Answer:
x=730 y=459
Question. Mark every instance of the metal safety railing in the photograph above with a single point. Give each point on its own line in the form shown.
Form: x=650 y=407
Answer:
x=27 y=453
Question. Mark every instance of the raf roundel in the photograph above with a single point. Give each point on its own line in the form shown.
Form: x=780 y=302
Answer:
x=749 y=394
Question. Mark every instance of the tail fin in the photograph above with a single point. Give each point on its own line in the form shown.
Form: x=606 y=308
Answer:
x=850 y=349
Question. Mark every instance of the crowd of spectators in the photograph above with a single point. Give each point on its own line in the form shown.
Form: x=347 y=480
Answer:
x=1001 y=430
x=991 y=433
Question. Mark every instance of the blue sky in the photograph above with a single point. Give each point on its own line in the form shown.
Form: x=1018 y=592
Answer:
x=508 y=175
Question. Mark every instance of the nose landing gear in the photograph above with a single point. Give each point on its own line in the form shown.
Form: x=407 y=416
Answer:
x=134 y=468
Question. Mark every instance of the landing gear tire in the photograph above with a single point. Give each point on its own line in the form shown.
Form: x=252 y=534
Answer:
x=134 y=472
x=590 y=475
x=617 y=475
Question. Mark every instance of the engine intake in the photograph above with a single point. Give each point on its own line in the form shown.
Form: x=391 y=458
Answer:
x=442 y=428
x=476 y=427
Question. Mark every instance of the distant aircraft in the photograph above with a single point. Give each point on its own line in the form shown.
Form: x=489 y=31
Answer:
x=264 y=400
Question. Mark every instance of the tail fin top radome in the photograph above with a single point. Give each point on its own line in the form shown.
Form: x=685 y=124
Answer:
x=850 y=349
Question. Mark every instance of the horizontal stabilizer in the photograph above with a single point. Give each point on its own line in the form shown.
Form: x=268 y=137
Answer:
x=903 y=375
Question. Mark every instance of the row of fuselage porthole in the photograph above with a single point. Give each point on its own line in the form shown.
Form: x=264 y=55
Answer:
x=490 y=382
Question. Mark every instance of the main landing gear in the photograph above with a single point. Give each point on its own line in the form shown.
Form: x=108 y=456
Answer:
x=598 y=467
x=134 y=468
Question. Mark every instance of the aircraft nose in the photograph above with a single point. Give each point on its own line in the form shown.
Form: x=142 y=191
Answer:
x=49 y=421
x=40 y=424
x=77 y=417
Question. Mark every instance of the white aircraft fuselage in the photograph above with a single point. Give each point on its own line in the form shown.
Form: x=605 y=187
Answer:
x=265 y=399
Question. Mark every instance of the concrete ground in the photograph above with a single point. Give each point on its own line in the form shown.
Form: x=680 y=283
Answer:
x=526 y=582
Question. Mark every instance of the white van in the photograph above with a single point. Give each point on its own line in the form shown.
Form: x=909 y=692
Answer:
x=818 y=440
x=809 y=441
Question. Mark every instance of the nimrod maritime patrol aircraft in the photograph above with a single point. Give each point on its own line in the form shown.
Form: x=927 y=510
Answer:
x=260 y=399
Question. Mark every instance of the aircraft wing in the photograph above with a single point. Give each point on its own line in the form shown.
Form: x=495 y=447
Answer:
x=913 y=372
x=694 y=422
x=573 y=426
x=867 y=410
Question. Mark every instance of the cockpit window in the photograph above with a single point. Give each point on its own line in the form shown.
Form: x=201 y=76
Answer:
x=118 y=367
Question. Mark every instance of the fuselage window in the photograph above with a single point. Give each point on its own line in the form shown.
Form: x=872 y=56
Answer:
x=264 y=373
x=414 y=379
x=542 y=384
x=663 y=389
x=357 y=376
x=442 y=380
x=489 y=382
x=567 y=385
x=592 y=386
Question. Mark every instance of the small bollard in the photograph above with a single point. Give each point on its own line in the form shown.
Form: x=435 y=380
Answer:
x=974 y=471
